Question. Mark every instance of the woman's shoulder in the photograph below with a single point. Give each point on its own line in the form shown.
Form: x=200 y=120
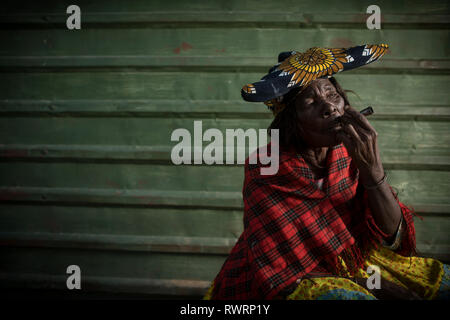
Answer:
x=270 y=160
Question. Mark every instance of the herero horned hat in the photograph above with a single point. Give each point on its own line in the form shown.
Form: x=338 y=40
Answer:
x=295 y=69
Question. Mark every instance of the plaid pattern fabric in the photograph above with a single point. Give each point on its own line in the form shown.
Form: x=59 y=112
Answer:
x=290 y=225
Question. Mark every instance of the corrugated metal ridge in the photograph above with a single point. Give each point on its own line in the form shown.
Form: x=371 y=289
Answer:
x=147 y=198
x=167 y=244
x=202 y=63
x=175 y=244
x=228 y=18
x=191 y=108
x=392 y=159
x=107 y=284
x=129 y=197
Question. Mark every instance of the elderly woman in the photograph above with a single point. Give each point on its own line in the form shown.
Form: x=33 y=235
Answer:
x=327 y=225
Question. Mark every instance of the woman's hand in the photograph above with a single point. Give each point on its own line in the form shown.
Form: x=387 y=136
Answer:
x=360 y=139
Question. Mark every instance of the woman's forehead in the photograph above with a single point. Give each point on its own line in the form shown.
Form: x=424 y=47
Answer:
x=317 y=85
x=321 y=83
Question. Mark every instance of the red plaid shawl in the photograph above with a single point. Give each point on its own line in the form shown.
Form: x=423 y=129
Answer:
x=290 y=225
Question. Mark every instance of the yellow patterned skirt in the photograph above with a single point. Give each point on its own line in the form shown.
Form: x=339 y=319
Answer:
x=428 y=278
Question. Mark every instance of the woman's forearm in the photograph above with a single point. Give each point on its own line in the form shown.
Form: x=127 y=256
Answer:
x=360 y=139
x=385 y=209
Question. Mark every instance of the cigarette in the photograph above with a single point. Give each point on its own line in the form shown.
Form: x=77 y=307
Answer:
x=367 y=111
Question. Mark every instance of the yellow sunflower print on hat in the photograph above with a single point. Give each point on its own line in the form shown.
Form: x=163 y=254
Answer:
x=313 y=64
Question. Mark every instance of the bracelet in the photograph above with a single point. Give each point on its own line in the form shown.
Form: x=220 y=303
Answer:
x=398 y=238
x=379 y=183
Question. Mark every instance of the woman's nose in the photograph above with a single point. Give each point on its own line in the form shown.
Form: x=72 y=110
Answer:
x=328 y=109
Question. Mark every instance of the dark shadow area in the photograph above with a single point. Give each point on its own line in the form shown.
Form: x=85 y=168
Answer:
x=37 y=294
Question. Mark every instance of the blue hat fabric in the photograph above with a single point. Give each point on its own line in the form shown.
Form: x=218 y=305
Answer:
x=295 y=69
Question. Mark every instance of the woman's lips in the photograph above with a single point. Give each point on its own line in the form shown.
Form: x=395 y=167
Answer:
x=335 y=125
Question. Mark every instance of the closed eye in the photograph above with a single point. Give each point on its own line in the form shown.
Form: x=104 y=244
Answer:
x=334 y=96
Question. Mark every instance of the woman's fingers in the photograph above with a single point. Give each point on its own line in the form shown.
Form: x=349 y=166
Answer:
x=359 y=118
x=364 y=134
x=348 y=142
x=360 y=138
x=350 y=130
x=359 y=143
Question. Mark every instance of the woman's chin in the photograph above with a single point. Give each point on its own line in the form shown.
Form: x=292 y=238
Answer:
x=334 y=139
x=330 y=142
x=326 y=138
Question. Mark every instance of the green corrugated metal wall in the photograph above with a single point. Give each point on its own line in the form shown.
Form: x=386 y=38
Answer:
x=87 y=115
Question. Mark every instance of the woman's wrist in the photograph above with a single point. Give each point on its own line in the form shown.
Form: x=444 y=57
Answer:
x=377 y=184
x=373 y=179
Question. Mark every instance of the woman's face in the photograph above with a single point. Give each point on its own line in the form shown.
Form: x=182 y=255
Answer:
x=317 y=108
